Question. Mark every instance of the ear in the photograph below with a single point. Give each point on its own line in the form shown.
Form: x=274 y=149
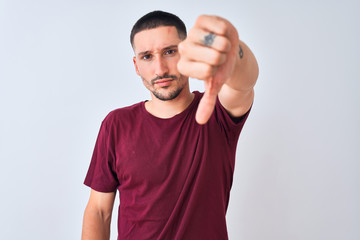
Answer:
x=136 y=67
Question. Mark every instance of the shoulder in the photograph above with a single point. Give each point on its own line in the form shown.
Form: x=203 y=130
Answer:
x=124 y=114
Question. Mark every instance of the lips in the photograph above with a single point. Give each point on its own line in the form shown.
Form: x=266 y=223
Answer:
x=164 y=82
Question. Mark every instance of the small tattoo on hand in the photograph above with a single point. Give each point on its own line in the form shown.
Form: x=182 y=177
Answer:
x=209 y=39
x=241 y=53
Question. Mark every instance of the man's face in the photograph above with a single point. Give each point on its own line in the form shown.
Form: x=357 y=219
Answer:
x=156 y=58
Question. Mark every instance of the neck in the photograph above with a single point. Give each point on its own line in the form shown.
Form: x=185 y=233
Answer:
x=170 y=108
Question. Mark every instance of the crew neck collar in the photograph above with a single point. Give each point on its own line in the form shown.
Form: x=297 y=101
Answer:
x=179 y=115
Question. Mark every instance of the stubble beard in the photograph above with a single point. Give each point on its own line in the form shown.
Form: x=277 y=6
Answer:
x=168 y=95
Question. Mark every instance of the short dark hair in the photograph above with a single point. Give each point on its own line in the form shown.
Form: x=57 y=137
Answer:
x=156 y=19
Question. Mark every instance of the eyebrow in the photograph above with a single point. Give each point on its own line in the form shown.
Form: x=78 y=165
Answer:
x=164 y=49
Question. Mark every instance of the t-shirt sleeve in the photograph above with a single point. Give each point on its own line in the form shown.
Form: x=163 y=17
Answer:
x=101 y=175
x=231 y=125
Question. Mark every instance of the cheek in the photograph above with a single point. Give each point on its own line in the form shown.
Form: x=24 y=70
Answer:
x=146 y=83
x=144 y=69
x=173 y=63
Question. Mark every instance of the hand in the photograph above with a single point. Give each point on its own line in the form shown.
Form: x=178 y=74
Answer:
x=209 y=53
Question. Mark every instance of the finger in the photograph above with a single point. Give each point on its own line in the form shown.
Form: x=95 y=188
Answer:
x=218 y=26
x=206 y=106
x=197 y=70
x=197 y=53
x=214 y=24
x=204 y=38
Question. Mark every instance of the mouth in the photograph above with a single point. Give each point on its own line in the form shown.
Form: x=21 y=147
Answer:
x=164 y=82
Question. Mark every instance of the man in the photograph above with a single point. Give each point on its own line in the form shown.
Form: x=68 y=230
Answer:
x=172 y=158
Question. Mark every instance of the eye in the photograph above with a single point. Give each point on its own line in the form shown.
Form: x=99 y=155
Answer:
x=170 y=52
x=146 y=57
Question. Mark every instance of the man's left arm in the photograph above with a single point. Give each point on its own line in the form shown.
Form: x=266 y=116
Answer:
x=237 y=93
x=212 y=52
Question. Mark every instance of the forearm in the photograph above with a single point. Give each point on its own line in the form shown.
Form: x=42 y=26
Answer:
x=246 y=70
x=211 y=53
x=96 y=226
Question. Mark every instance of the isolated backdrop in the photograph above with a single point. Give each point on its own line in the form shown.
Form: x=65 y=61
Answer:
x=64 y=64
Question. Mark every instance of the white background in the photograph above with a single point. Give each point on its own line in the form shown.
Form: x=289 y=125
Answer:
x=65 y=64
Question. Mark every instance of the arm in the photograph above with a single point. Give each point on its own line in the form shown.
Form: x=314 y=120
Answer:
x=97 y=216
x=237 y=93
x=213 y=52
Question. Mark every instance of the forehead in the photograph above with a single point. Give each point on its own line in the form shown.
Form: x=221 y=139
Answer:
x=156 y=39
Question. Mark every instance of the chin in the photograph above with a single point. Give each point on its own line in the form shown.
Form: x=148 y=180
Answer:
x=168 y=96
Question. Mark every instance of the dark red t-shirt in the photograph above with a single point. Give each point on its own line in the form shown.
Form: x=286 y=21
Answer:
x=173 y=175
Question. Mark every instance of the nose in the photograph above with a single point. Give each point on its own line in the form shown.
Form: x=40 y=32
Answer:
x=161 y=66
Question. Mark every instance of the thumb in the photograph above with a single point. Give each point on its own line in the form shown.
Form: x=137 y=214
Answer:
x=206 y=105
